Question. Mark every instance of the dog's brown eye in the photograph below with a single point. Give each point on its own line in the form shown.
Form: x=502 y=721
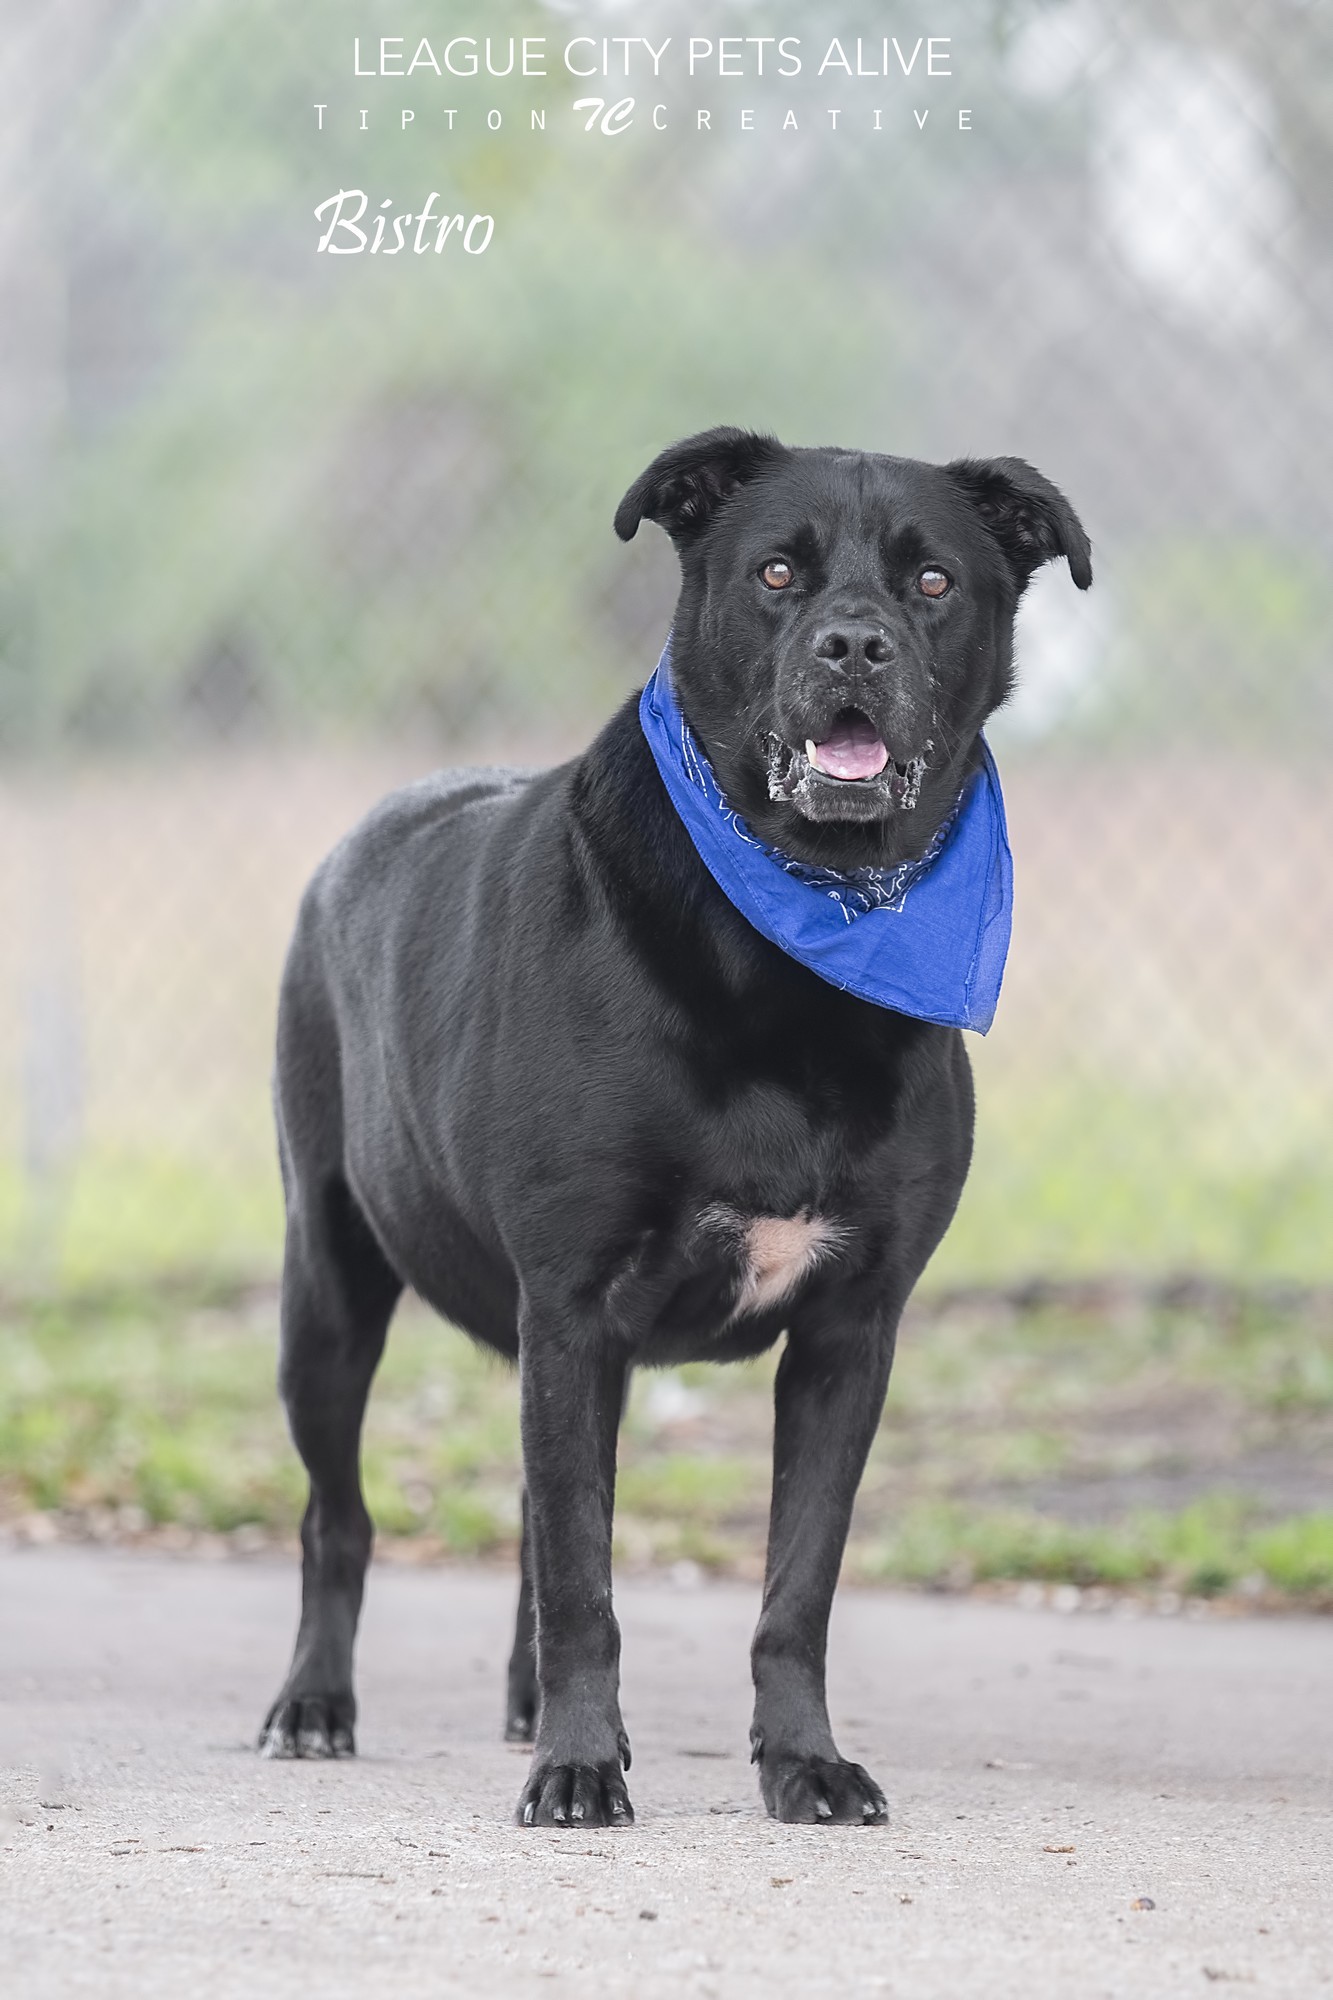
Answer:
x=777 y=574
x=933 y=583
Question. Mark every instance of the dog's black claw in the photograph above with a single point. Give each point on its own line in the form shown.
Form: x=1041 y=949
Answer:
x=309 y=1726
x=580 y=1795
x=821 y=1791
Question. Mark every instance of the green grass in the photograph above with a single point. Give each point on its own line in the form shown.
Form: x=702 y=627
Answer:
x=1131 y=1446
x=138 y=1403
x=1213 y=1546
x=133 y=1217
x=1074 y=1177
x=1073 y=1180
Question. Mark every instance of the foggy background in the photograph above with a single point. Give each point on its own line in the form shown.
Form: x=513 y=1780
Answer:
x=278 y=530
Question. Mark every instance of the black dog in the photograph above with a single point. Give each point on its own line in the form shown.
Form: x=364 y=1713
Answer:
x=532 y=1062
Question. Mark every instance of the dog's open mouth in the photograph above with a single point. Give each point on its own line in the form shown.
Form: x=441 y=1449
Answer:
x=853 y=748
x=846 y=772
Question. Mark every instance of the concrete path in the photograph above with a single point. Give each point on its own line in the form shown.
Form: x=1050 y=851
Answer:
x=1047 y=1777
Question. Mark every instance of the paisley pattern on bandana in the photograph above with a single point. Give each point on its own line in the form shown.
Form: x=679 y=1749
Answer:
x=927 y=938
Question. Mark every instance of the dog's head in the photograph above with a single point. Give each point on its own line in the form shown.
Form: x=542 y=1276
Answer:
x=845 y=626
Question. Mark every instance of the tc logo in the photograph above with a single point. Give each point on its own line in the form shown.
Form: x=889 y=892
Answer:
x=617 y=119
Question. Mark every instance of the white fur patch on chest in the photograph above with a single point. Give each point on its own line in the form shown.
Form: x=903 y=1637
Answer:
x=776 y=1253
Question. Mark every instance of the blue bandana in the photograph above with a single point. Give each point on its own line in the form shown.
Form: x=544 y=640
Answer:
x=927 y=938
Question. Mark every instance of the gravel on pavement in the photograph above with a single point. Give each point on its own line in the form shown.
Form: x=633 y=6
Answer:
x=1080 y=1805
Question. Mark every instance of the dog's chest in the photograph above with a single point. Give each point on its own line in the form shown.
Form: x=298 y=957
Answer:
x=773 y=1254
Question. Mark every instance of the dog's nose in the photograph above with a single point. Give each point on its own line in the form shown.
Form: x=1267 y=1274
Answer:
x=852 y=645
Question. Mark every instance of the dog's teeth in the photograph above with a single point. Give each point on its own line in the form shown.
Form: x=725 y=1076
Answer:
x=811 y=751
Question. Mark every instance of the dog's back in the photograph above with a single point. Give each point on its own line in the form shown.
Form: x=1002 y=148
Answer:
x=374 y=1017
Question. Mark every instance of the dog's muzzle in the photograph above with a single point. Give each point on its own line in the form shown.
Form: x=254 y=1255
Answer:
x=848 y=774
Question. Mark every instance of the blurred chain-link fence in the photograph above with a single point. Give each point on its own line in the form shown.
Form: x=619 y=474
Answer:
x=278 y=528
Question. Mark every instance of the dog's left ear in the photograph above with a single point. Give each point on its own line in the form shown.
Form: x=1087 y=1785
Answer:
x=685 y=484
x=1028 y=516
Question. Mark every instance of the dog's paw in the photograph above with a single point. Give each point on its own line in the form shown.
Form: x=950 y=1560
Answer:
x=520 y=1724
x=309 y=1725
x=575 y=1795
x=820 y=1791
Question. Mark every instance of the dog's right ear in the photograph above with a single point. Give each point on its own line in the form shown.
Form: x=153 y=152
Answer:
x=685 y=484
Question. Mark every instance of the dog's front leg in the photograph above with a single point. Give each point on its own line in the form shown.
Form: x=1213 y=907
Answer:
x=829 y=1394
x=571 y=1388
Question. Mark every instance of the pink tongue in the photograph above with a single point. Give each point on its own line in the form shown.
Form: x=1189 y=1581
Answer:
x=852 y=750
